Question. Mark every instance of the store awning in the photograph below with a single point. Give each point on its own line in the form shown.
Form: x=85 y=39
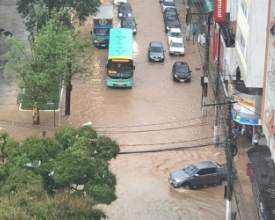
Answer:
x=207 y=5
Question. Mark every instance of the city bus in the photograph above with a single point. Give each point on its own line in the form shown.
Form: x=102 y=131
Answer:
x=120 y=65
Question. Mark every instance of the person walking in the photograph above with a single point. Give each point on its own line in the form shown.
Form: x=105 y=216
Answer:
x=256 y=139
x=243 y=132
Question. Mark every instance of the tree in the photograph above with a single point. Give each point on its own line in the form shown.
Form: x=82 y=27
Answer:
x=74 y=160
x=35 y=19
x=40 y=72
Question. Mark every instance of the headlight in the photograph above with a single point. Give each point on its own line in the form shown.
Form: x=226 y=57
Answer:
x=188 y=77
x=129 y=14
x=151 y=57
x=161 y=56
x=95 y=41
x=134 y=30
x=175 y=76
x=120 y=14
x=177 y=180
x=167 y=28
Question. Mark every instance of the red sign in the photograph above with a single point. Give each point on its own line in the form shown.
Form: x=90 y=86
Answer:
x=219 y=10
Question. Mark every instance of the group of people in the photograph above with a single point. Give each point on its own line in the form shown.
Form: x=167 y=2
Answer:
x=245 y=132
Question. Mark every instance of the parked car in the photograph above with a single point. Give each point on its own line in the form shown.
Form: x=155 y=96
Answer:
x=170 y=12
x=156 y=52
x=167 y=4
x=201 y=174
x=181 y=72
x=124 y=10
x=130 y=23
x=118 y=2
x=174 y=34
x=171 y=22
x=176 y=47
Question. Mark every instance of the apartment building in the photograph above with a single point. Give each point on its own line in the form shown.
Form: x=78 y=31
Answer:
x=268 y=102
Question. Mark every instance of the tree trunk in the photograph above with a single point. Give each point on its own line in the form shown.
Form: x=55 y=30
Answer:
x=35 y=114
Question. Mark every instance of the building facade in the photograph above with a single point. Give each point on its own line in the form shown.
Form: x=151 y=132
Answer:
x=268 y=102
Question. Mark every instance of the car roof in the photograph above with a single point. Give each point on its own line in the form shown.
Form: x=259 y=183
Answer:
x=156 y=43
x=170 y=9
x=178 y=30
x=180 y=63
x=205 y=164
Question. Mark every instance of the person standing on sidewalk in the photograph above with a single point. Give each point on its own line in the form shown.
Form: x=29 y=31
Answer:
x=243 y=132
x=256 y=139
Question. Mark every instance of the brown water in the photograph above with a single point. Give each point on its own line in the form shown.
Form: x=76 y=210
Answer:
x=155 y=114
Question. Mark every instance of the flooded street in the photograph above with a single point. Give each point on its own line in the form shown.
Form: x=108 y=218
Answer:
x=156 y=114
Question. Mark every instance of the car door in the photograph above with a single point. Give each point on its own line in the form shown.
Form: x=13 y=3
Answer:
x=198 y=179
x=210 y=176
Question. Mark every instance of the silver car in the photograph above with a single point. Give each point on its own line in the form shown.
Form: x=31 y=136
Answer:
x=197 y=175
x=156 y=52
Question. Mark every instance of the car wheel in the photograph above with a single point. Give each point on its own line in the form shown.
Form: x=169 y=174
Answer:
x=187 y=186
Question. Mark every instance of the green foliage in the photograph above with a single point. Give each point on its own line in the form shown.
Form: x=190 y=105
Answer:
x=75 y=160
x=36 y=12
x=34 y=204
x=57 y=53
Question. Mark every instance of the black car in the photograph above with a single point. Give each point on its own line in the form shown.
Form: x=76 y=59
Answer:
x=171 y=22
x=156 y=52
x=170 y=12
x=181 y=72
x=129 y=23
x=124 y=10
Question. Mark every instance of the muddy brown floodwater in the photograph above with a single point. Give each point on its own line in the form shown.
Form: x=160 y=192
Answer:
x=155 y=114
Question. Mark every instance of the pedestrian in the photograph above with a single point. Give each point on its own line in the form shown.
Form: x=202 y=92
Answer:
x=256 y=139
x=243 y=132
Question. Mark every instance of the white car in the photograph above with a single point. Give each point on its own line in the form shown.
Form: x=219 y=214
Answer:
x=174 y=34
x=118 y=2
x=176 y=47
x=167 y=4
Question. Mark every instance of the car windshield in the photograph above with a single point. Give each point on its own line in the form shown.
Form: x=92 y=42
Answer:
x=170 y=12
x=190 y=170
x=182 y=69
x=169 y=3
x=102 y=31
x=125 y=8
x=175 y=34
x=156 y=49
x=176 y=44
x=128 y=23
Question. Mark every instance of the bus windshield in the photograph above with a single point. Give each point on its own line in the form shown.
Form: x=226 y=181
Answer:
x=101 y=31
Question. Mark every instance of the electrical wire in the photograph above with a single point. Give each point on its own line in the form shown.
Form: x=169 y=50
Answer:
x=166 y=143
x=165 y=149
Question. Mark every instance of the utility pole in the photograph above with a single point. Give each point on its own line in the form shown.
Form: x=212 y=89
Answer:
x=216 y=93
x=204 y=78
x=229 y=158
x=231 y=150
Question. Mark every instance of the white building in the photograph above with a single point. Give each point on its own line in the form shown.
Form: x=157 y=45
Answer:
x=268 y=102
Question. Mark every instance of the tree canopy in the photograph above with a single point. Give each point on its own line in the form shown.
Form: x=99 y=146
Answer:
x=36 y=12
x=56 y=53
x=74 y=163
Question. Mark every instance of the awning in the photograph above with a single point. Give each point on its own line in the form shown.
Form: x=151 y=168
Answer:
x=207 y=5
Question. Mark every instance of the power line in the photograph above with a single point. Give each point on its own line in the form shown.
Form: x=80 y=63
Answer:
x=160 y=129
x=162 y=143
x=165 y=149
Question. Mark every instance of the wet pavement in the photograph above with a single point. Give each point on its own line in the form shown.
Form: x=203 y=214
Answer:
x=155 y=114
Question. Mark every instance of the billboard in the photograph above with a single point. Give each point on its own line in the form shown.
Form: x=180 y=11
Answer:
x=219 y=10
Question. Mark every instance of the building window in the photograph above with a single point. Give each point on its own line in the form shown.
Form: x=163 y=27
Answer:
x=244 y=10
x=242 y=43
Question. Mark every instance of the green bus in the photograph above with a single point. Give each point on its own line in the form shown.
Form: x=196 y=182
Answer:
x=120 y=65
